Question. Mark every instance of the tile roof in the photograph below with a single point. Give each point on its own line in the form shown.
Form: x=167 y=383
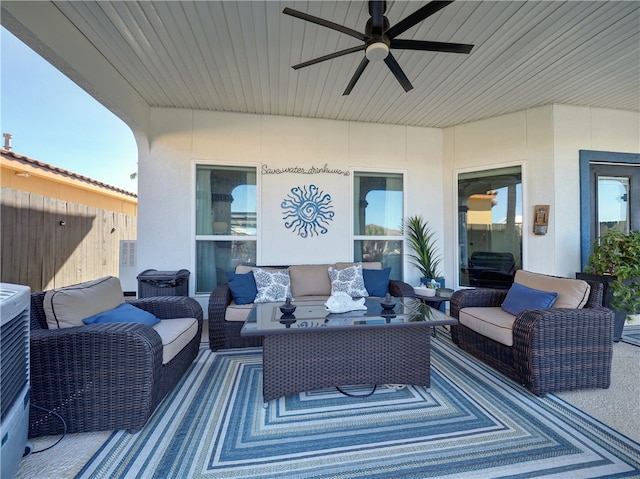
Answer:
x=10 y=155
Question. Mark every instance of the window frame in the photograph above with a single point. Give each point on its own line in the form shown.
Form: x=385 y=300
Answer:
x=195 y=163
x=354 y=214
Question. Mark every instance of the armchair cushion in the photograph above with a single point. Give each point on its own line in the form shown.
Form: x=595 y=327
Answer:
x=175 y=334
x=572 y=293
x=493 y=323
x=123 y=313
x=376 y=281
x=243 y=287
x=67 y=307
x=521 y=297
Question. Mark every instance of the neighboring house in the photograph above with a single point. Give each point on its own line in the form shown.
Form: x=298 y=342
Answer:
x=58 y=227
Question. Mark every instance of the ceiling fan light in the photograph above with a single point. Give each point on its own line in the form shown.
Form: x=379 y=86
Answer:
x=377 y=51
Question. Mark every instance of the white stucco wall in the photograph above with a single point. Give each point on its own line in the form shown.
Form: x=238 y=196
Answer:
x=546 y=141
x=575 y=129
x=181 y=138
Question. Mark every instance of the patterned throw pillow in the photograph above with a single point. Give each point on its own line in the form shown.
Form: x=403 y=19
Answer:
x=273 y=285
x=348 y=280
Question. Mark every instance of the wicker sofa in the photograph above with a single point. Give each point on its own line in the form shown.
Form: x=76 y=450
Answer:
x=561 y=348
x=307 y=282
x=108 y=376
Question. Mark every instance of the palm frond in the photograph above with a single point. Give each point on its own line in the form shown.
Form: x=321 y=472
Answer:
x=421 y=240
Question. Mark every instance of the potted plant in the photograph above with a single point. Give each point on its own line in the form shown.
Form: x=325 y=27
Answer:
x=425 y=256
x=615 y=261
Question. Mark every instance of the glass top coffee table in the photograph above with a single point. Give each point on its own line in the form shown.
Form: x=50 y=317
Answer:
x=313 y=349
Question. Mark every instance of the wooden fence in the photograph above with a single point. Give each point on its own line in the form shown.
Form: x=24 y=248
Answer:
x=48 y=243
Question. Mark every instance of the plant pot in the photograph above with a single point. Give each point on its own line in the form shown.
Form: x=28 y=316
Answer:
x=426 y=281
x=440 y=281
x=607 y=297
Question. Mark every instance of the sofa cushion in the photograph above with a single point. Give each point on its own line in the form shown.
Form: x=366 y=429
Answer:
x=365 y=265
x=572 y=293
x=273 y=285
x=310 y=280
x=237 y=312
x=376 y=281
x=348 y=280
x=175 y=333
x=493 y=323
x=67 y=307
x=124 y=313
x=243 y=287
x=244 y=268
x=520 y=298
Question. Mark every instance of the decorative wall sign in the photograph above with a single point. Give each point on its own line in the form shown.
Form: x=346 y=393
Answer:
x=311 y=170
x=307 y=211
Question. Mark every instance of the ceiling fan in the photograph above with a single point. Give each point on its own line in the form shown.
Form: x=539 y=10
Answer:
x=379 y=38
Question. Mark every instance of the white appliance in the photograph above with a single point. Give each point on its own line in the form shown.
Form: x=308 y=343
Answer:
x=127 y=272
x=15 y=301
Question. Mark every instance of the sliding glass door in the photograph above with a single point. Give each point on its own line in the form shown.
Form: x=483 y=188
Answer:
x=489 y=226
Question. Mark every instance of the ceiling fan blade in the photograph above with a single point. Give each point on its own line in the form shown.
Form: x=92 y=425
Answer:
x=430 y=46
x=416 y=17
x=324 y=23
x=328 y=57
x=376 y=10
x=397 y=72
x=356 y=76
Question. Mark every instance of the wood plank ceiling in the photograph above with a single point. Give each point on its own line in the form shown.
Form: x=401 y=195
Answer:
x=236 y=56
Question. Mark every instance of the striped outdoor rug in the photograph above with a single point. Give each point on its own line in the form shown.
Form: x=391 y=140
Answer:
x=473 y=423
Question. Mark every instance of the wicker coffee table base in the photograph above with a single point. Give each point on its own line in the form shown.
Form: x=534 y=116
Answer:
x=294 y=363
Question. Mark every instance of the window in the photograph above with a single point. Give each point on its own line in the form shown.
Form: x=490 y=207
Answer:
x=226 y=217
x=490 y=226
x=378 y=215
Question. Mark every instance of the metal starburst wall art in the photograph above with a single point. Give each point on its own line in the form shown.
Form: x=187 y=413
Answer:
x=307 y=211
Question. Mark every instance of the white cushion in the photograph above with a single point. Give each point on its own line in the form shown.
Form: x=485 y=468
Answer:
x=572 y=293
x=67 y=307
x=493 y=323
x=175 y=333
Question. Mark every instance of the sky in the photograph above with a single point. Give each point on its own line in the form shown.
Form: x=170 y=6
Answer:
x=54 y=121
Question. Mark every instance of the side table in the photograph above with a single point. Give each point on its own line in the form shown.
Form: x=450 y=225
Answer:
x=437 y=302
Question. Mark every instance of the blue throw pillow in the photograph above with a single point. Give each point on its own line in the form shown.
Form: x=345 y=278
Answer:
x=243 y=287
x=376 y=281
x=125 y=313
x=521 y=297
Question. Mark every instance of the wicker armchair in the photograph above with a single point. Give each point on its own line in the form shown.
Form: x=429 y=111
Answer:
x=553 y=349
x=226 y=334
x=104 y=376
